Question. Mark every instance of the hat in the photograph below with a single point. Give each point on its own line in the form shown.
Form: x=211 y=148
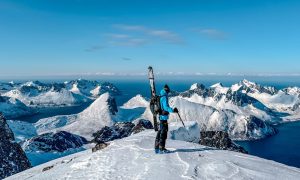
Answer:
x=166 y=88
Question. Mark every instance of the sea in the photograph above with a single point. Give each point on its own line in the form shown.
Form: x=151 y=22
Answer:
x=283 y=147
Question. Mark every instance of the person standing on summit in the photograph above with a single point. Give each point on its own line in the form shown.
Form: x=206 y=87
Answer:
x=160 y=140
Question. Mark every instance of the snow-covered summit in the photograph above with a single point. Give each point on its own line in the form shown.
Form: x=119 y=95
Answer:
x=133 y=158
x=219 y=88
x=197 y=86
x=91 y=88
x=99 y=114
x=136 y=101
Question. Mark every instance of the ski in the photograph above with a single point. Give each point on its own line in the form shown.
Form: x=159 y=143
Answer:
x=153 y=103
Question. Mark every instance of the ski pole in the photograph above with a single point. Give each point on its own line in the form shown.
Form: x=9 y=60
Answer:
x=184 y=124
x=181 y=119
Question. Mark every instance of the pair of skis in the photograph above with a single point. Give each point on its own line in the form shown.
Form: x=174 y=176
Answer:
x=154 y=98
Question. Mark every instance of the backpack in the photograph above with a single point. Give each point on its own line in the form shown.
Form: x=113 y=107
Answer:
x=155 y=106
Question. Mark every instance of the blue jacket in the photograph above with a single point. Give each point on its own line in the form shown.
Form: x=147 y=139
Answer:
x=164 y=104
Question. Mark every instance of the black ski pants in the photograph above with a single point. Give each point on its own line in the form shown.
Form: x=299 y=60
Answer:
x=162 y=133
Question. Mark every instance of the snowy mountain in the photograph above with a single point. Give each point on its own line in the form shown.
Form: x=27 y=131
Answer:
x=133 y=158
x=91 y=88
x=13 y=108
x=208 y=118
x=236 y=110
x=99 y=114
x=102 y=112
x=12 y=157
x=38 y=94
x=4 y=87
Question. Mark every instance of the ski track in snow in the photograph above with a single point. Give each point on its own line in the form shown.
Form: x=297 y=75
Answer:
x=133 y=158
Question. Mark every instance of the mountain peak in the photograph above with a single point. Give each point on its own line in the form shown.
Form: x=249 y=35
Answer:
x=247 y=83
x=136 y=101
x=217 y=85
x=197 y=86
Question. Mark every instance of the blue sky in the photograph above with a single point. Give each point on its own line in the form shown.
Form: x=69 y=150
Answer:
x=109 y=37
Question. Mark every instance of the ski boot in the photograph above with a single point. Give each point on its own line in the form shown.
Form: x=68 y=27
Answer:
x=163 y=151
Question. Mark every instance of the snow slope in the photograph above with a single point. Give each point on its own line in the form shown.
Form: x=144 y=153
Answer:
x=92 y=119
x=133 y=158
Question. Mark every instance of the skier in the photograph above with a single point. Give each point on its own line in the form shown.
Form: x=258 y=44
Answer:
x=160 y=140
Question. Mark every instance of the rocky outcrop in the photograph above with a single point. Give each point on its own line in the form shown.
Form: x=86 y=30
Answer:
x=53 y=142
x=142 y=125
x=220 y=140
x=255 y=125
x=112 y=105
x=120 y=130
x=99 y=146
x=117 y=131
x=12 y=157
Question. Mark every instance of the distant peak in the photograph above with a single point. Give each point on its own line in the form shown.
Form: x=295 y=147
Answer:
x=197 y=86
x=247 y=83
x=217 y=85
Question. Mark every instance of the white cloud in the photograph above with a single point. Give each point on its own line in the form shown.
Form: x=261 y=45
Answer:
x=212 y=33
x=161 y=34
x=129 y=27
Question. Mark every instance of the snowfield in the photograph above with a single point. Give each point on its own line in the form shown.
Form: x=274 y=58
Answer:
x=134 y=158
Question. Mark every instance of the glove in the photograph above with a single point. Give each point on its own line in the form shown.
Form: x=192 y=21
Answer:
x=175 y=110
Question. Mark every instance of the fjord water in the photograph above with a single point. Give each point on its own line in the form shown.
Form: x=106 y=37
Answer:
x=282 y=147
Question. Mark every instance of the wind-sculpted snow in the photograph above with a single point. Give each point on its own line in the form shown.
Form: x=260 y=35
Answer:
x=134 y=158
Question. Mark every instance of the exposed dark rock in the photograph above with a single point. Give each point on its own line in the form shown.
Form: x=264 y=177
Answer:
x=239 y=98
x=201 y=90
x=117 y=131
x=47 y=168
x=112 y=105
x=109 y=87
x=255 y=124
x=220 y=140
x=99 y=146
x=12 y=157
x=142 y=125
x=51 y=142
